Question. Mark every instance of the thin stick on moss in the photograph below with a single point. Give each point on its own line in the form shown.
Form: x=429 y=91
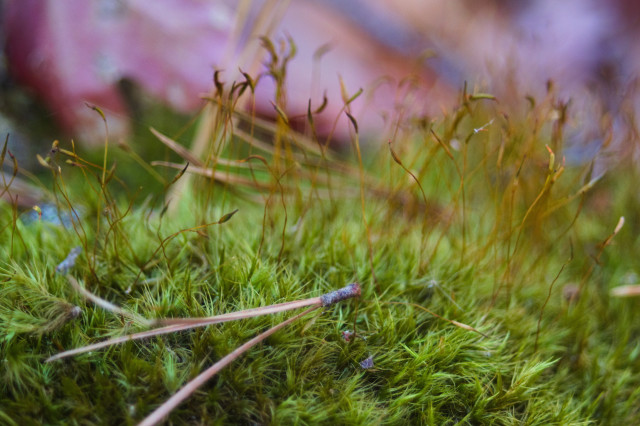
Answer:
x=247 y=313
x=175 y=325
x=168 y=406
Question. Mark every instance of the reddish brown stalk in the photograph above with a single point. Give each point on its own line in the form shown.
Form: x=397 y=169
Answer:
x=223 y=219
x=544 y=305
x=602 y=245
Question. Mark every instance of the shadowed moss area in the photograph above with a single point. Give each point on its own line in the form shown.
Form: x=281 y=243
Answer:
x=471 y=217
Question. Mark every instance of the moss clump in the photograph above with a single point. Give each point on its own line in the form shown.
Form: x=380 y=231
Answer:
x=478 y=223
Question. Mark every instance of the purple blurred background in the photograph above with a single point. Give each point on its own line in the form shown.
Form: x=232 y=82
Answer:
x=64 y=54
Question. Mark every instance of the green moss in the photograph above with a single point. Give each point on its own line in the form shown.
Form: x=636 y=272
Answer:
x=487 y=250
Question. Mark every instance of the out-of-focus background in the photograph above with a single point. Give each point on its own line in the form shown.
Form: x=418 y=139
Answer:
x=142 y=62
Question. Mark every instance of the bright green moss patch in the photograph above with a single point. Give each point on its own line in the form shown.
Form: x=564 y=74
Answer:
x=509 y=242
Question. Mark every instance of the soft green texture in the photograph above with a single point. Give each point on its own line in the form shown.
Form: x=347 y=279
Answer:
x=491 y=270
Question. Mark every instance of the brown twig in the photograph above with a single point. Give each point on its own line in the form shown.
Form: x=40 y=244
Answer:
x=179 y=324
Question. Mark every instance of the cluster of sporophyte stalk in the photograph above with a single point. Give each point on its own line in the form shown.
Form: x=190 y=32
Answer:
x=489 y=273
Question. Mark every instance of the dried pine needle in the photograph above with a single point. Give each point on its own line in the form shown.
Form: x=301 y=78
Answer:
x=166 y=408
x=180 y=324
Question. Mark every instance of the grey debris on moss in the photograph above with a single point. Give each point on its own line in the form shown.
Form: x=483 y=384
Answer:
x=352 y=290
